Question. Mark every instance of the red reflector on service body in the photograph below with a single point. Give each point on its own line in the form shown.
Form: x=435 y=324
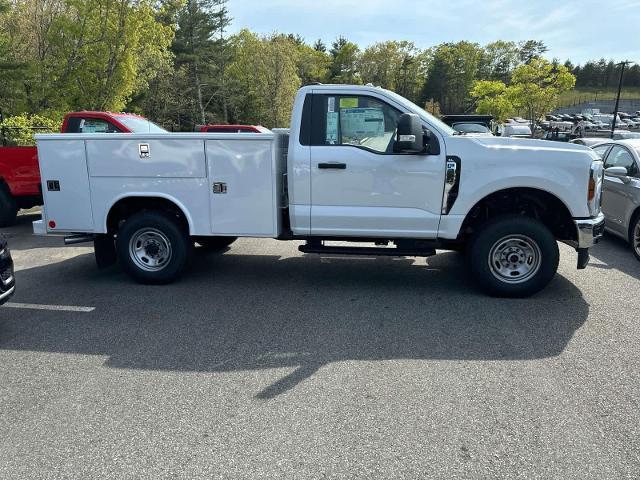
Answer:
x=52 y=224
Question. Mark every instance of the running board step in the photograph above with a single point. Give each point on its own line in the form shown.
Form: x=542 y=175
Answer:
x=389 y=252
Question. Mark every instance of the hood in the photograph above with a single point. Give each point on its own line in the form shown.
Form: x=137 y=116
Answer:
x=514 y=149
x=528 y=144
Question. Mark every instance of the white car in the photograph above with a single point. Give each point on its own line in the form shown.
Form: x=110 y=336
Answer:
x=358 y=164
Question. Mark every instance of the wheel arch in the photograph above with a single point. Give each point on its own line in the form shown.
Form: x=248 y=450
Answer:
x=532 y=202
x=126 y=205
x=632 y=220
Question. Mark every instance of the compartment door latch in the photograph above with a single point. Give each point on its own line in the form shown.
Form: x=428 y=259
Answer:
x=219 y=187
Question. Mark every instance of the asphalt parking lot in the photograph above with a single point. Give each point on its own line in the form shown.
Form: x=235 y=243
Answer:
x=264 y=363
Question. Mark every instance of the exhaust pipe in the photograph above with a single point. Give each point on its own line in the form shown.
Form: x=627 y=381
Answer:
x=75 y=239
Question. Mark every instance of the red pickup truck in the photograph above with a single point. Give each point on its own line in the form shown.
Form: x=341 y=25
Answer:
x=19 y=172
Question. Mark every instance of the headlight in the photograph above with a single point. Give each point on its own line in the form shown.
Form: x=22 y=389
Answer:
x=594 y=193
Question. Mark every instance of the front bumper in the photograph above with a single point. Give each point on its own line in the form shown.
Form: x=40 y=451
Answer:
x=589 y=231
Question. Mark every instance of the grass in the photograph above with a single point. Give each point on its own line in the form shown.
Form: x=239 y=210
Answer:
x=579 y=95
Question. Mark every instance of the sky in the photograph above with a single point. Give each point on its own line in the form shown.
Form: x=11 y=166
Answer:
x=576 y=29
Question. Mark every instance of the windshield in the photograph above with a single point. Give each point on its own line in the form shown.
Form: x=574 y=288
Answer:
x=140 y=125
x=423 y=113
x=470 y=128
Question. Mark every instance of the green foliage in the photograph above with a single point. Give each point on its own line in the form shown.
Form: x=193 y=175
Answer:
x=491 y=99
x=83 y=54
x=535 y=89
x=344 y=62
x=453 y=69
x=263 y=79
x=20 y=129
x=398 y=66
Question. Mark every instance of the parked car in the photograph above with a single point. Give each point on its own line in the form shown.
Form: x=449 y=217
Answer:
x=358 y=164
x=588 y=141
x=514 y=130
x=7 y=279
x=20 y=185
x=472 y=129
x=621 y=189
x=556 y=136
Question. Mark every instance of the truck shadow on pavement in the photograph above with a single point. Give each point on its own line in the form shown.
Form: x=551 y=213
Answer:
x=238 y=312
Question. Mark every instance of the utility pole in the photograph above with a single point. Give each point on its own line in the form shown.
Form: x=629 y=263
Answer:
x=615 y=111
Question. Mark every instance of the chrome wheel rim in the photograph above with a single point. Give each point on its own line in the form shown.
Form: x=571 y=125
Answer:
x=515 y=259
x=636 y=238
x=150 y=249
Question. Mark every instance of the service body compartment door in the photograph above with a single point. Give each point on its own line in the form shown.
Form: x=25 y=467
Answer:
x=242 y=187
x=65 y=185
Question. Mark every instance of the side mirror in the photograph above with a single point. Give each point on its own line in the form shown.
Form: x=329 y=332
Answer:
x=410 y=136
x=618 y=172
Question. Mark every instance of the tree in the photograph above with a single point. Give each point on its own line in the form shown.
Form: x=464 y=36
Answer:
x=531 y=49
x=263 y=79
x=536 y=86
x=491 y=99
x=199 y=44
x=452 y=70
x=344 y=60
x=313 y=64
x=398 y=66
x=319 y=46
x=499 y=60
x=91 y=54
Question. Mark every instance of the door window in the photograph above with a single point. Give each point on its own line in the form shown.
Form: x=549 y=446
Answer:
x=90 y=125
x=601 y=150
x=621 y=157
x=355 y=120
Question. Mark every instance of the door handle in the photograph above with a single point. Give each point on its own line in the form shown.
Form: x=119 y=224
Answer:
x=338 y=166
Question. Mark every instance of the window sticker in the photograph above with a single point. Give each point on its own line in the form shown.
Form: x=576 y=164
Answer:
x=360 y=123
x=348 y=103
x=332 y=128
x=331 y=106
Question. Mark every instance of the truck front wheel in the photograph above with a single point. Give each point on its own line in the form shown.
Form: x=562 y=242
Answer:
x=513 y=256
x=153 y=248
x=8 y=207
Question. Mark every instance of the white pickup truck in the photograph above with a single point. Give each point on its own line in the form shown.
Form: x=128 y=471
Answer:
x=359 y=164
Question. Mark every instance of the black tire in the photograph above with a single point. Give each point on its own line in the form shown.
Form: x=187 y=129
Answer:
x=634 y=236
x=215 y=243
x=527 y=243
x=104 y=247
x=163 y=234
x=8 y=207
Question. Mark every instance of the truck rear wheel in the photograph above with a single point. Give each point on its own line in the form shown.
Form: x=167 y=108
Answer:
x=215 y=243
x=8 y=207
x=513 y=256
x=153 y=248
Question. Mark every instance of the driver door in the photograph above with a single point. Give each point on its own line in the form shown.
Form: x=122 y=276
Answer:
x=617 y=196
x=359 y=186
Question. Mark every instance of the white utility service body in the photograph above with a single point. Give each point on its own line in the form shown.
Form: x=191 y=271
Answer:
x=353 y=166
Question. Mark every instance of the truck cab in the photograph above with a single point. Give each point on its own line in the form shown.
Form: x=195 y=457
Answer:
x=358 y=164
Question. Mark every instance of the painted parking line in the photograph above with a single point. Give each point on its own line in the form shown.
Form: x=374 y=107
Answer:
x=56 y=308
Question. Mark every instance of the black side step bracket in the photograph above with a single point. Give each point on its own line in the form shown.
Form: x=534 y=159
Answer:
x=316 y=247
